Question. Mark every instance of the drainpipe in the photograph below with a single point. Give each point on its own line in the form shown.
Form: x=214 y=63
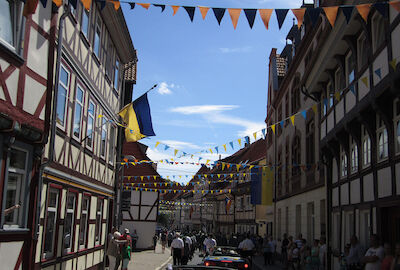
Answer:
x=66 y=12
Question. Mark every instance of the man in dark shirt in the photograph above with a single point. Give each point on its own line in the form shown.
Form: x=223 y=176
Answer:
x=285 y=243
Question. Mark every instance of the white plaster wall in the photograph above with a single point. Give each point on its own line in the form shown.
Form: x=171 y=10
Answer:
x=368 y=186
x=33 y=94
x=12 y=84
x=9 y=252
x=38 y=53
x=396 y=41
x=384 y=182
x=362 y=88
x=355 y=191
x=335 y=196
x=330 y=122
x=339 y=111
x=344 y=194
x=350 y=101
x=145 y=231
x=323 y=129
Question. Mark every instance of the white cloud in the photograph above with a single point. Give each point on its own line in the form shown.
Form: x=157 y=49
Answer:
x=165 y=89
x=245 y=49
x=203 y=109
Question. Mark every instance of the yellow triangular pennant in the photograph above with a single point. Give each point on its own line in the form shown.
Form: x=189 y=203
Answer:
x=337 y=95
x=255 y=135
x=240 y=142
x=211 y=151
x=157 y=143
x=175 y=152
x=141 y=178
x=223 y=166
x=393 y=63
x=273 y=128
x=292 y=119
x=314 y=108
x=365 y=81
x=224 y=145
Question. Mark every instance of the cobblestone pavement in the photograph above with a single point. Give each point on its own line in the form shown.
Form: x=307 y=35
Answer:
x=258 y=264
x=148 y=260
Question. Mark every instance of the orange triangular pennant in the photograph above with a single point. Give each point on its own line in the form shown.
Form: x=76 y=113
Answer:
x=175 y=9
x=58 y=3
x=146 y=6
x=299 y=13
x=203 y=11
x=331 y=13
x=117 y=4
x=234 y=13
x=265 y=15
x=364 y=10
x=395 y=5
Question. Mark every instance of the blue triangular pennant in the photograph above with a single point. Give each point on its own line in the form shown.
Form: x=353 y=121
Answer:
x=166 y=147
x=313 y=14
x=263 y=132
x=250 y=15
x=44 y=3
x=382 y=8
x=231 y=143
x=219 y=14
x=352 y=89
x=281 y=15
x=304 y=114
x=281 y=123
x=148 y=177
x=216 y=149
x=247 y=138
x=378 y=73
x=347 y=12
x=190 y=12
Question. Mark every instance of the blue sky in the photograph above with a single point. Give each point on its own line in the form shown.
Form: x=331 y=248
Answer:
x=212 y=80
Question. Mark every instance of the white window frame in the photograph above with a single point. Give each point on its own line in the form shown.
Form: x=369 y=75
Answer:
x=99 y=223
x=376 y=21
x=353 y=156
x=84 y=230
x=343 y=163
x=91 y=115
x=97 y=33
x=366 y=148
x=72 y=212
x=116 y=73
x=104 y=128
x=382 y=140
x=81 y=104
x=22 y=188
x=53 y=209
x=16 y=24
x=396 y=122
x=63 y=125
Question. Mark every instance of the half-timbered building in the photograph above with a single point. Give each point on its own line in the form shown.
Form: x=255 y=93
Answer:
x=76 y=199
x=293 y=147
x=140 y=198
x=26 y=71
x=355 y=73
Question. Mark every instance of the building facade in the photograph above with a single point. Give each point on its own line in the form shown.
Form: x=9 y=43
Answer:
x=79 y=174
x=26 y=71
x=356 y=76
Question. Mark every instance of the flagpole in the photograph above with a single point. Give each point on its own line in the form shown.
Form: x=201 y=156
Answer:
x=154 y=86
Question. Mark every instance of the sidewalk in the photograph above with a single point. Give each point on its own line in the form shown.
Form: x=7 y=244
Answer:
x=148 y=260
x=258 y=264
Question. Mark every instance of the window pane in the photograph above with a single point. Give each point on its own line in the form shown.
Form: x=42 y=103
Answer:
x=97 y=44
x=90 y=132
x=53 y=197
x=49 y=233
x=116 y=74
x=77 y=120
x=85 y=22
x=82 y=233
x=64 y=76
x=68 y=231
x=13 y=196
x=6 y=32
x=18 y=159
x=61 y=102
x=79 y=94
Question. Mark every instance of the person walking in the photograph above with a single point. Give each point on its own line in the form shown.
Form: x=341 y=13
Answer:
x=113 y=251
x=396 y=261
x=210 y=243
x=374 y=255
x=155 y=238
x=387 y=260
x=126 y=255
x=355 y=254
x=285 y=244
x=322 y=252
x=163 y=240
x=177 y=247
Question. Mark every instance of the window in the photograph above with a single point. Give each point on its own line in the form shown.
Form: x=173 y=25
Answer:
x=378 y=31
x=109 y=56
x=116 y=74
x=287 y=219
x=324 y=104
x=295 y=96
x=298 y=219
x=15 y=189
x=350 y=67
x=354 y=156
x=397 y=124
x=83 y=228
x=339 y=82
x=336 y=231
x=296 y=156
x=362 y=51
x=366 y=148
x=51 y=223
x=279 y=222
x=310 y=221
x=74 y=11
x=111 y=145
x=330 y=94
x=99 y=218
x=78 y=112
x=103 y=137
x=322 y=217
x=310 y=143
x=69 y=222
x=382 y=137
x=343 y=163
x=97 y=38
x=12 y=24
x=85 y=23
x=90 y=124
x=62 y=97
